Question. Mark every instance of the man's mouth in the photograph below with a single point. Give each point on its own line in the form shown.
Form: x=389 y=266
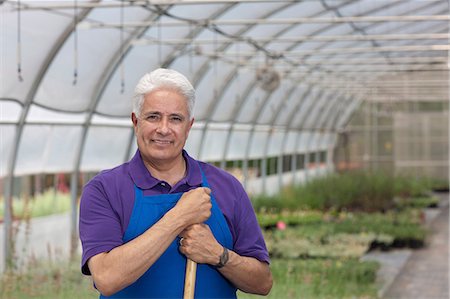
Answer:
x=162 y=142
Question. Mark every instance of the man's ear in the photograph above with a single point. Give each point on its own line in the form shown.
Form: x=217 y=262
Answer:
x=134 y=119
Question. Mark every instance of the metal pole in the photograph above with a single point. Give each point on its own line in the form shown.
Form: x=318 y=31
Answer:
x=74 y=213
x=7 y=224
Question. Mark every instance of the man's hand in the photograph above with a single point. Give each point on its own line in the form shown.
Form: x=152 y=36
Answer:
x=194 y=206
x=198 y=244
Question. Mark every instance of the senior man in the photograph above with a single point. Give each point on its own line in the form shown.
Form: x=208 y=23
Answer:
x=141 y=220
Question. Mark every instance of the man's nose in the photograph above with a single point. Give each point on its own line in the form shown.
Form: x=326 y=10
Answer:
x=163 y=126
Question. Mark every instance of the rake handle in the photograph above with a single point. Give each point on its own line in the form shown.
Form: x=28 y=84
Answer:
x=189 y=282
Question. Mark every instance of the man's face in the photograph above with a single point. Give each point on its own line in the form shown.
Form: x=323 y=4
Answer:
x=163 y=126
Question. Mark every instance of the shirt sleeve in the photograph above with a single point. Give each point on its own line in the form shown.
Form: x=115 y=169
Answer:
x=99 y=225
x=249 y=240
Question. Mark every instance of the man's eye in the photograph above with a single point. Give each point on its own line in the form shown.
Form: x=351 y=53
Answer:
x=176 y=118
x=152 y=117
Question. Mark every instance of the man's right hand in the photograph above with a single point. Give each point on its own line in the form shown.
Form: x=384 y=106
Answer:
x=195 y=206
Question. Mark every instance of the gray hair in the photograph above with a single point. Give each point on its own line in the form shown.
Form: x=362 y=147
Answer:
x=160 y=79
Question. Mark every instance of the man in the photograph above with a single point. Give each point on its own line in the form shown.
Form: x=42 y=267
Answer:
x=141 y=220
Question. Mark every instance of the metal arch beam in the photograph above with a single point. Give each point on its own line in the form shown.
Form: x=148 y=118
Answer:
x=236 y=110
x=324 y=112
x=313 y=109
x=104 y=79
x=266 y=145
x=290 y=118
x=205 y=128
x=226 y=84
x=284 y=21
x=213 y=106
x=320 y=119
x=168 y=61
x=319 y=95
x=60 y=6
x=172 y=56
x=341 y=123
x=348 y=50
x=272 y=123
x=252 y=85
x=195 y=32
x=326 y=123
x=252 y=132
x=304 y=38
x=202 y=70
x=419 y=9
x=351 y=23
x=290 y=126
x=20 y=127
x=329 y=122
x=382 y=8
x=313 y=115
x=297 y=107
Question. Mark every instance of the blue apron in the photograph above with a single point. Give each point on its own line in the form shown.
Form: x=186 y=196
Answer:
x=165 y=278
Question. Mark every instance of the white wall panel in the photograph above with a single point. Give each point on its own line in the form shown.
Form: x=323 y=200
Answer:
x=46 y=148
x=36 y=42
x=238 y=145
x=257 y=144
x=193 y=142
x=208 y=88
x=303 y=142
x=104 y=148
x=275 y=143
x=291 y=139
x=214 y=145
x=233 y=96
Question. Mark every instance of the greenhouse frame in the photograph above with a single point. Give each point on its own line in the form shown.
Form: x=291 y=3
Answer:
x=281 y=86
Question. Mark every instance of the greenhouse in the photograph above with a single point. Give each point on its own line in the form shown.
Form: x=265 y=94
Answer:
x=287 y=93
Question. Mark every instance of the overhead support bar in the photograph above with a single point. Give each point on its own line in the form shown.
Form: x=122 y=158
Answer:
x=287 y=21
x=328 y=51
x=30 y=5
x=314 y=38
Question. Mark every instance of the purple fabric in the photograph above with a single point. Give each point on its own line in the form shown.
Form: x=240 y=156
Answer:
x=107 y=203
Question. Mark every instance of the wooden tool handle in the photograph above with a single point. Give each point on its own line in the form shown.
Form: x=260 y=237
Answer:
x=189 y=282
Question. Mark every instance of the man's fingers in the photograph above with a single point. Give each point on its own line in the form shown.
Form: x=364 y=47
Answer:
x=207 y=190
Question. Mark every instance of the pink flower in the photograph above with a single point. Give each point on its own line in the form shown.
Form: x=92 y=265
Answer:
x=281 y=225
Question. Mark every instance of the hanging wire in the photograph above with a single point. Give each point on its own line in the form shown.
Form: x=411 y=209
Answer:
x=215 y=64
x=122 y=65
x=159 y=41
x=238 y=74
x=75 y=43
x=19 y=43
x=191 y=52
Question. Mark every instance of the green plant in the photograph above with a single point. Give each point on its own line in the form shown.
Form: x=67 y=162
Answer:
x=343 y=234
x=351 y=191
x=408 y=186
x=416 y=202
x=43 y=204
x=355 y=191
x=321 y=278
x=47 y=280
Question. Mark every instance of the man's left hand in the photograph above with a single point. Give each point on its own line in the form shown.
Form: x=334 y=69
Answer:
x=198 y=244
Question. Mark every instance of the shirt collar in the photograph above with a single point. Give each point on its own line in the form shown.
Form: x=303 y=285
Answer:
x=144 y=180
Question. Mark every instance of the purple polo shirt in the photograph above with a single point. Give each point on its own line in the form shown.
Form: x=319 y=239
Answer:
x=108 y=200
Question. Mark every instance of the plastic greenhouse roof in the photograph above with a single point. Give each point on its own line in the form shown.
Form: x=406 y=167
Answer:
x=272 y=77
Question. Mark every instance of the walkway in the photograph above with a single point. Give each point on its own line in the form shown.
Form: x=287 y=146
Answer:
x=425 y=274
x=45 y=237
